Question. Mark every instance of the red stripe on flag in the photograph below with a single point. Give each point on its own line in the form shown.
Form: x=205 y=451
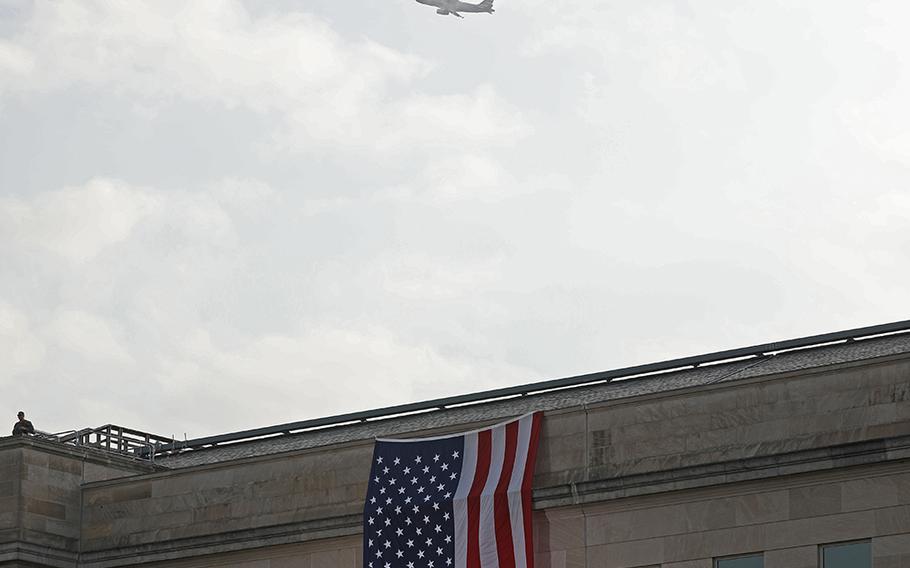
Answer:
x=526 y=489
x=501 y=501
x=484 y=448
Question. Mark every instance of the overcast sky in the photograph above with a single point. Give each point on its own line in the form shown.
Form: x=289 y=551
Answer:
x=217 y=215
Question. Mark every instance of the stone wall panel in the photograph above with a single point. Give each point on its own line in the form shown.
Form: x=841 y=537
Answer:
x=891 y=551
x=799 y=557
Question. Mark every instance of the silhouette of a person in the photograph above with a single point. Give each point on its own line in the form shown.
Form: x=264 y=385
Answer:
x=23 y=426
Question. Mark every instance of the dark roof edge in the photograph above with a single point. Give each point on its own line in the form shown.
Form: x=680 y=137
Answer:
x=531 y=388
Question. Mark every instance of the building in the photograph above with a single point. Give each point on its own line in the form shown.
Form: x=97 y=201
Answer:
x=786 y=455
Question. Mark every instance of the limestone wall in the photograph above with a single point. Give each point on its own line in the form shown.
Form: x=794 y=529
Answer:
x=726 y=422
x=312 y=492
x=341 y=552
x=786 y=518
x=41 y=498
x=10 y=465
x=642 y=448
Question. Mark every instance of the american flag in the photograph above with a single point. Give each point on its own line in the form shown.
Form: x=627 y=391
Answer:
x=459 y=501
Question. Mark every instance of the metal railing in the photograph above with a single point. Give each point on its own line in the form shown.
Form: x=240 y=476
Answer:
x=113 y=438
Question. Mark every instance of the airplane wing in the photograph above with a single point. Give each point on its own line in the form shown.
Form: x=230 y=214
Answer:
x=485 y=6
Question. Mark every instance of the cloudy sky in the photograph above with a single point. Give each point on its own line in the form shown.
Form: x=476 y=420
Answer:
x=217 y=215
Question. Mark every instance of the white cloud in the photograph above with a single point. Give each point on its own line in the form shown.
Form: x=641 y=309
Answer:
x=882 y=125
x=468 y=178
x=423 y=278
x=473 y=177
x=324 y=88
x=15 y=62
x=210 y=50
x=77 y=223
x=242 y=194
x=657 y=179
x=21 y=349
x=324 y=370
x=163 y=301
x=661 y=46
x=479 y=119
x=88 y=335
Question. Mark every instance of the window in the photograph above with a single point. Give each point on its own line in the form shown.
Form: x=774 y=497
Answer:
x=847 y=555
x=750 y=561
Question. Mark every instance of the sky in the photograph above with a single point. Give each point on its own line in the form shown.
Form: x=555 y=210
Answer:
x=218 y=215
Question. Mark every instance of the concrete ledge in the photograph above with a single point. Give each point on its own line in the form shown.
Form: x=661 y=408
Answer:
x=29 y=554
x=765 y=467
x=225 y=542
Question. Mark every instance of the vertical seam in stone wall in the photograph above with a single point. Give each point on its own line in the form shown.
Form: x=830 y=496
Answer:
x=20 y=502
x=587 y=468
x=81 y=509
x=584 y=527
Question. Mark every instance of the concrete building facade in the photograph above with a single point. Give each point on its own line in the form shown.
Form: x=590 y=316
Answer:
x=791 y=459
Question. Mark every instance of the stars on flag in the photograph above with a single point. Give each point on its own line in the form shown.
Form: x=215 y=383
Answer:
x=410 y=495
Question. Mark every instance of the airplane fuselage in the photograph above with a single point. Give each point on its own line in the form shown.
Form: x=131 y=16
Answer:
x=445 y=7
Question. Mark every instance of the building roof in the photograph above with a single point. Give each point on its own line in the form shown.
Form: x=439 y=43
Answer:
x=768 y=364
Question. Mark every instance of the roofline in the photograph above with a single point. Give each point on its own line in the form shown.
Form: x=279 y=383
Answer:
x=86 y=453
x=547 y=385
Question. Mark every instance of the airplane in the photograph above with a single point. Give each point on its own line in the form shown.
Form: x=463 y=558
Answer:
x=453 y=7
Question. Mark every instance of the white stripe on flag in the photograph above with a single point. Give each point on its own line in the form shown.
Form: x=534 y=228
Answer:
x=460 y=502
x=489 y=557
x=516 y=515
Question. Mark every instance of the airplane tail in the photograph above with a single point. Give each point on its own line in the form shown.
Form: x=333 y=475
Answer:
x=487 y=6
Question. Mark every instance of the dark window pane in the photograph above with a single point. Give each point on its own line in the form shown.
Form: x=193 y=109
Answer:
x=850 y=555
x=756 y=561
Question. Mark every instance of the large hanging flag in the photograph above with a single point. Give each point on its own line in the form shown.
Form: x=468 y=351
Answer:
x=459 y=501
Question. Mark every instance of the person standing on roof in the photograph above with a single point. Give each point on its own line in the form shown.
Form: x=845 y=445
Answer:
x=23 y=426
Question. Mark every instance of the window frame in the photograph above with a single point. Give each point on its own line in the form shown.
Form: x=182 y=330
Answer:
x=718 y=559
x=822 y=547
